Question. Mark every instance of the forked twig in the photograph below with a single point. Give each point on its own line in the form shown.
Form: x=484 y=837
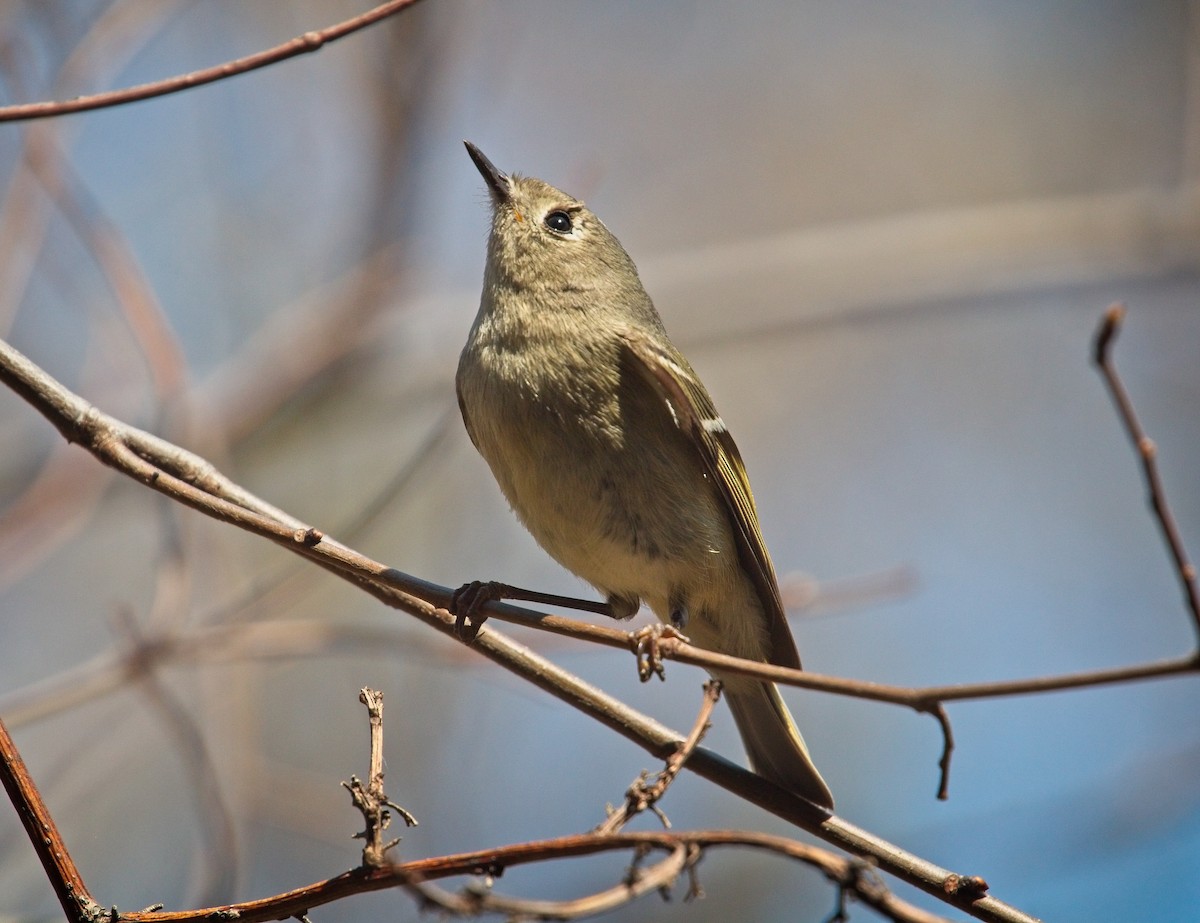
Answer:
x=370 y=799
x=644 y=795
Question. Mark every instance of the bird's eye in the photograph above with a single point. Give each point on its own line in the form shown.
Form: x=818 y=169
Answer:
x=559 y=222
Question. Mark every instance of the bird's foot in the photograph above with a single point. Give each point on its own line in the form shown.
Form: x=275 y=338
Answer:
x=467 y=602
x=647 y=648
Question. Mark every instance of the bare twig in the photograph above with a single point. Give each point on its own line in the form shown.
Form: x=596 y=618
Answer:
x=920 y=698
x=478 y=898
x=370 y=799
x=302 y=44
x=643 y=794
x=939 y=712
x=1147 y=451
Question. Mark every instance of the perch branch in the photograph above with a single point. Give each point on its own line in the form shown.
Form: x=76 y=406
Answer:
x=194 y=482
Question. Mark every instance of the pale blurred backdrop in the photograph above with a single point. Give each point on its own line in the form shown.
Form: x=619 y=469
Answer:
x=884 y=233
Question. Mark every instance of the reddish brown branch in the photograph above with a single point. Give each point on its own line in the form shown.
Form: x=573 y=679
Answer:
x=844 y=872
x=301 y=44
x=77 y=903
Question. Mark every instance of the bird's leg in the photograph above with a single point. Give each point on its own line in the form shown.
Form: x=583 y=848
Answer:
x=467 y=602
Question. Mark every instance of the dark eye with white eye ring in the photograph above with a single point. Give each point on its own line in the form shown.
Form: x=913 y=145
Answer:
x=559 y=222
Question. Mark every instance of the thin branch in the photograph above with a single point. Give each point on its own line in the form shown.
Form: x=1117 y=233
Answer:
x=644 y=795
x=194 y=482
x=302 y=44
x=920 y=698
x=847 y=873
x=478 y=899
x=939 y=712
x=64 y=877
x=371 y=800
x=1147 y=451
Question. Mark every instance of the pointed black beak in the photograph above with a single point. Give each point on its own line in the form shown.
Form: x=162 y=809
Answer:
x=497 y=181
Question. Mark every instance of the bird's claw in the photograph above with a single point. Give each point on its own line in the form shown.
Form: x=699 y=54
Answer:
x=647 y=648
x=466 y=603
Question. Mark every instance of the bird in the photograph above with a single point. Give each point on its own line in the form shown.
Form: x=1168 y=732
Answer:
x=611 y=453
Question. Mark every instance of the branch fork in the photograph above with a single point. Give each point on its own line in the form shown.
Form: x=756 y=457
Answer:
x=370 y=799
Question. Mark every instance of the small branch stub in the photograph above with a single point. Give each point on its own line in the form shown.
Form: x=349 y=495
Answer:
x=371 y=800
x=1113 y=318
x=309 y=537
x=968 y=886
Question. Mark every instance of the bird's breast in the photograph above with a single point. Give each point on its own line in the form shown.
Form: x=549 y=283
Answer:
x=605 y=489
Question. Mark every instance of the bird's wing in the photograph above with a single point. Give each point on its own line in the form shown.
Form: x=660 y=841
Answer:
x=669 y=374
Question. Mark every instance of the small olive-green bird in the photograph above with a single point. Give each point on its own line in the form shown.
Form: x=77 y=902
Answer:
x=611 y=452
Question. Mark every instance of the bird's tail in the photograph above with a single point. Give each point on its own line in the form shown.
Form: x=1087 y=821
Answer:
x=772 y=741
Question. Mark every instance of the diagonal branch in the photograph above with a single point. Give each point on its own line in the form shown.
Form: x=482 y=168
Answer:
x=194 y=482
x=301 y=44
x=1148 y=453
x=68 y=884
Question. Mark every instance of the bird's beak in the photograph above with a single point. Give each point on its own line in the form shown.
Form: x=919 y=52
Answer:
x=497 y=181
